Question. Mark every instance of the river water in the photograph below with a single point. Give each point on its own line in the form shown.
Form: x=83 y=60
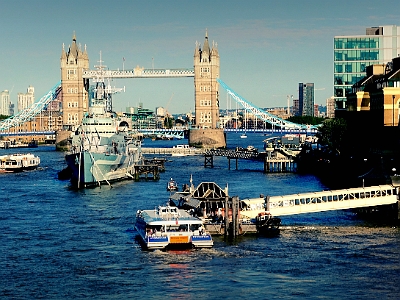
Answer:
x=56 y=242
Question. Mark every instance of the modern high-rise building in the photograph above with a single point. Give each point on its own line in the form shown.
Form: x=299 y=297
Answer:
x=4 y=103
x=295 y=108
x=306 y=99
x=11 y=109
x=352 y=54
x=330 y=107
x=26 y=100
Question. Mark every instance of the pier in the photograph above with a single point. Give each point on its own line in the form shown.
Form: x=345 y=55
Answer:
x=147 y=171
x=241 y=214
x=150 y=169
x=272 y=165
x=173 y=151
x=229 y=216
x=272 y=161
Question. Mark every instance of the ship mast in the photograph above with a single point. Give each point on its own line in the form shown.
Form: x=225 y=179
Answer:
x=103 y=90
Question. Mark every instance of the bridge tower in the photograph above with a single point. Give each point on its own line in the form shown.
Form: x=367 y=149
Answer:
x=206 y=131
x=74 y=88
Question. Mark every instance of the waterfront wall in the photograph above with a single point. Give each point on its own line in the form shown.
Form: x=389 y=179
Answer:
x=207 y=138
x=62 y=143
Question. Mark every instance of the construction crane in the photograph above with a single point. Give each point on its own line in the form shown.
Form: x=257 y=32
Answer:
x=166 y=108
x=169 y=102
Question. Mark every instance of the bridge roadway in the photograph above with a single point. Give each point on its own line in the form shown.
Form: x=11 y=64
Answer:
x=138 y=73
x=331 y=200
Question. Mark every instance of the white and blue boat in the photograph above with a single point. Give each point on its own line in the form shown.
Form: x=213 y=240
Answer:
x=170 y=227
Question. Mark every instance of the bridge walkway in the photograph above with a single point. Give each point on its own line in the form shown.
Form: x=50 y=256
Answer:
x=173 y=151
x=331 y=200
x=271 y=164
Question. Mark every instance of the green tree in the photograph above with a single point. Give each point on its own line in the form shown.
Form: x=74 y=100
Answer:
x=169 y=122
x=332 y=133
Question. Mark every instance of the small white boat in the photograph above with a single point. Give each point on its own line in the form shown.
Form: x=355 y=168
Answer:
x=243 y=136
x=184 y=150
x=172 y=185
x=171 y=227
x=18 y=162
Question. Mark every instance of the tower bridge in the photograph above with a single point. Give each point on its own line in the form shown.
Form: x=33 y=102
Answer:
x=73 y=94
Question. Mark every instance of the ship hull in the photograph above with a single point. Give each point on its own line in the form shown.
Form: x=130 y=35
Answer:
x=93 y=169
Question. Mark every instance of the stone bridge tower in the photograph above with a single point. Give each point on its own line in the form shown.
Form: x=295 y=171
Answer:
x=74 y=91
x=206 y=132
x=75 y=100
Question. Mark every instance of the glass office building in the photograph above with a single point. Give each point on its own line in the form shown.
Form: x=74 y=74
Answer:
x=352 y=54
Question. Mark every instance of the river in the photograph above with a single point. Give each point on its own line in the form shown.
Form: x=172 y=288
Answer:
x=56 y=242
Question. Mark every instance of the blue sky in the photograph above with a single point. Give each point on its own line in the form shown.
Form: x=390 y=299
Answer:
x=266 y=47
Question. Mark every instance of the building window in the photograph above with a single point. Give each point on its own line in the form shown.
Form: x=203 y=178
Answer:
x=71 y=74
x=205 y=102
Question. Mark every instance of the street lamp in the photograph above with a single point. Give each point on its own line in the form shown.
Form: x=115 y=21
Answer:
x=393 y=110
x=365 y=160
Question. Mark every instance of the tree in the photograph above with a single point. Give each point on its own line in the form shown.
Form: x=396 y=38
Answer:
x=332 y=134
x=169 y=122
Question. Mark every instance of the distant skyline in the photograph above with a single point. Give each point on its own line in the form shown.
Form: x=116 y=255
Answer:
x=266 y=47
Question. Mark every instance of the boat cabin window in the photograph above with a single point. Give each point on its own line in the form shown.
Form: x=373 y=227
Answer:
x=183 y=227
x=194 y=227
x=167 y=210
x=151 y=230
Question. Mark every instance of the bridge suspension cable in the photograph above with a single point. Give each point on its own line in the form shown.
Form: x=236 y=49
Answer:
x=262 y=114
x=31 y=112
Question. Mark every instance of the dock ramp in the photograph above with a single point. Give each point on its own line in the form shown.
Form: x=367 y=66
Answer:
x=331 y=200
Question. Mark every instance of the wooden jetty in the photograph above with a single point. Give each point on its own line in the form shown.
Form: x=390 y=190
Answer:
x=173 y=151
x=220 y=213
x=272 y=161
x=150 y=169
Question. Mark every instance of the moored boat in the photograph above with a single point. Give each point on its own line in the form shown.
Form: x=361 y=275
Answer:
x=172 y=185
x=103 y=148
x=18 y=162
x=185 y=150
x=268 y=225
x=170 y=227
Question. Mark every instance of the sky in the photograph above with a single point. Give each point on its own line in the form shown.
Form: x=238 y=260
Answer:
x=266 y=47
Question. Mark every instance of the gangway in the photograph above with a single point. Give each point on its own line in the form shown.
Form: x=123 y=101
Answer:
x=30 y=113
x=331 y=200
x=262 y=114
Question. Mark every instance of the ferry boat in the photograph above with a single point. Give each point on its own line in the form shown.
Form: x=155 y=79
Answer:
x=103 y=148
x=171 y=227
x=18 y=162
